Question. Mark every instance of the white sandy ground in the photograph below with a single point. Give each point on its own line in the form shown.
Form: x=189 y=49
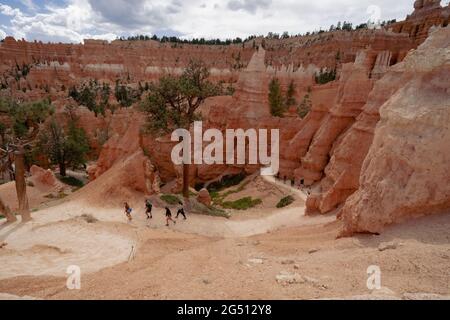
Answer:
x=216 y=258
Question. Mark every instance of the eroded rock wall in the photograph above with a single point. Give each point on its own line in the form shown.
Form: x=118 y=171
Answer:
x=406 y=171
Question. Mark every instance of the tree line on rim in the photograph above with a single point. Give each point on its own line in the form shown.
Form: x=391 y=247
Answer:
x=344 y=26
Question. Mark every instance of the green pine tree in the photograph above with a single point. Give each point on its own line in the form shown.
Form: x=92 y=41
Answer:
x=276 y=98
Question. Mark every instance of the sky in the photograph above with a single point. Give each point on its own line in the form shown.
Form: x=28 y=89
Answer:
x=75 y=20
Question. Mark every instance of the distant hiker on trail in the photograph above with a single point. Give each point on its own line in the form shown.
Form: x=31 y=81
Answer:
x=181 y=211
x=148 y=209
x=169 y=217
x=128 y=211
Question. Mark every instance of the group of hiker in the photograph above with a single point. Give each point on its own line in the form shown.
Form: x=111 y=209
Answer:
x=149 y=210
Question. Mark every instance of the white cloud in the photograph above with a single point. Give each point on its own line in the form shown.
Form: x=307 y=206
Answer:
x=30 y=5
x=250 y=6
x=8 y=11
x=2 y=34
x=80 y=19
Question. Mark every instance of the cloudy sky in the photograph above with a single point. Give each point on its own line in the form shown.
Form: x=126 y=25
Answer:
x=75 y=20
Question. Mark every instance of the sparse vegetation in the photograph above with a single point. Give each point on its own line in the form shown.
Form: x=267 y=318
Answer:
x=276 y=100
x=170 y=199
x=199 y=208
x=324 y=76
x=126 y=95
x=286 y=201
x=92 y=95
x=242 y=204
x=226 y=182
x=195 y=41
x=26 y=117
x=60 y=195
x=290 y=95
x=71 y=181
x=305 y=106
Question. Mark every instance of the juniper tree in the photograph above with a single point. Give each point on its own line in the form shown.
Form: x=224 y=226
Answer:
x=26 y=119
x=172 y=104
x=64 y=146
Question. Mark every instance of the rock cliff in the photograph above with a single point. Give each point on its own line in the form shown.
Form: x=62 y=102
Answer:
x=405 y=173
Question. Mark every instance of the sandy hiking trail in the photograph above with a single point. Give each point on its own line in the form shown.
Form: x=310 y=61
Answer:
x=58 y=237
x=216 y=258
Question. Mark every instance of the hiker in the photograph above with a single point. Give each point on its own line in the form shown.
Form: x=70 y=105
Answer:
x=128 y=211
x=181 y=211
x=148 y=209
x=169 y=217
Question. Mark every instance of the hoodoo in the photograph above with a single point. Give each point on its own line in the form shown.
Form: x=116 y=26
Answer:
x=185 y=167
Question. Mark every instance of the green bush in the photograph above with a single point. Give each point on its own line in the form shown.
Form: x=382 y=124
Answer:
x=305 y=106
x=170 y=199
x=286 y=201
x=325 y=76
x=226 y=182
x=200 y=208
x=242 y=204
x=71 y=181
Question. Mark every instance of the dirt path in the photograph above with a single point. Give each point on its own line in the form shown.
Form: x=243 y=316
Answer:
x=215 y=258
x=58 y=237
x=287 y=187
x=173 y=265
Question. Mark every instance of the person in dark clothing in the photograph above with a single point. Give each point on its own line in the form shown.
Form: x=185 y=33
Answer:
x=148 y=209
x=128 y=211
x=181 y=211
x=169 y=217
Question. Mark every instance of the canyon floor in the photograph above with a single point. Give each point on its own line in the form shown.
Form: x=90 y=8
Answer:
x=280 y=254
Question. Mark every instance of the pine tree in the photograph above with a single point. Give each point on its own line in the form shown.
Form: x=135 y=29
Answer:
x=276 y=98
x=63 y=146
x=173 y=101
x=290 y=95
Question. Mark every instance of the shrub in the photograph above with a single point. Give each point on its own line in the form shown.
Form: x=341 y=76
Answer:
x=286 y=201
x=200 y=208
x=170 y=199
x=226 y=182
x=242 y=204
x=92 y=95
x=290 y=95
x=305 y=106
x=325 y=76
x=71 y=181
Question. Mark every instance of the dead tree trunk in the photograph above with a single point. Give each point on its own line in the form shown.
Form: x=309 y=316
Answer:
x=4 y=209
x=21 y=185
